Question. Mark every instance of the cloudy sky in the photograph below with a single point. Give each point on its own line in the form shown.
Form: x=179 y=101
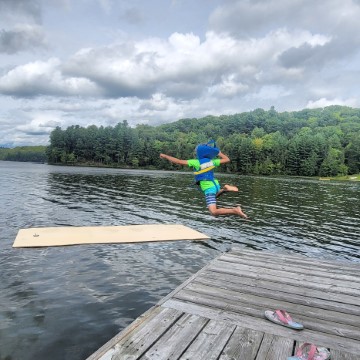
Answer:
x=68 y=62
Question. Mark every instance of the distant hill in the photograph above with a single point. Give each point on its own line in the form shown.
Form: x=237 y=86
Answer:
x=24 y=153
x=310 y=142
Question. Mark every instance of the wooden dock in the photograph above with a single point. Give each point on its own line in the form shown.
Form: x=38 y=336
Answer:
x=219 y=312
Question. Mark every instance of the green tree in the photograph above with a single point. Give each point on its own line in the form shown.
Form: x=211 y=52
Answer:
x=352 y=154
x=258 y=142
x=333 y=164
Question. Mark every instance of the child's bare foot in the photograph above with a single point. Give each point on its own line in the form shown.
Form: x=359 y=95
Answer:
x=241 y=213
x=230 y=188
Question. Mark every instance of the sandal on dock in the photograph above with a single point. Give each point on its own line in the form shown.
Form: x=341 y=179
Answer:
x=281 y=317
x=310 y=352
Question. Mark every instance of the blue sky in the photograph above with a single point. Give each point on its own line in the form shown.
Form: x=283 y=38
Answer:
x=67 y=62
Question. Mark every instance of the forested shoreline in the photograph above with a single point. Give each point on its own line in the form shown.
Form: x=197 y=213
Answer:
x=24 y=153
x=310 y=142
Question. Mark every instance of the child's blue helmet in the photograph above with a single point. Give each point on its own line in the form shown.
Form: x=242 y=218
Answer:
x=208 y=150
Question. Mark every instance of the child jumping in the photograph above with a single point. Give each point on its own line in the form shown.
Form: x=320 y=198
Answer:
x=204 y=176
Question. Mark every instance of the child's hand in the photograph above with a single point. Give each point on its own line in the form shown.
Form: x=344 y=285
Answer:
x=162 y=156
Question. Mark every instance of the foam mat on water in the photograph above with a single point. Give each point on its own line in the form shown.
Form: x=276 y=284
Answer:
x=70 y=235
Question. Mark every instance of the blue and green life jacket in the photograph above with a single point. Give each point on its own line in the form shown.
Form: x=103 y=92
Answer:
x=205 y=153
x=206 y=171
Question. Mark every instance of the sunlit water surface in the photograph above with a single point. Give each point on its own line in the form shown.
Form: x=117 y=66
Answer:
x=65 y=302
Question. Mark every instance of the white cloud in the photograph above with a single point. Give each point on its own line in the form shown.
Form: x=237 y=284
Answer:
x=253 y=54
x=44 y=78
x=181 y=67
x=183 y=64
x=158 y=102
x=323 y=102
x=27 y=126
x=230 y=86
x=41 y=123
x=270 y=92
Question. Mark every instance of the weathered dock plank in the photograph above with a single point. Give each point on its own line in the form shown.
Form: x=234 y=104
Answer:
x=210 y=342
x=341 y=355
x=256 y=323
x=273 y=288
x=314 y=319
x=178 y=338
x=279 y=258
x=243 y=344
x=277 y=292
x=274 y=348
x=289 y=275
x=219 y=312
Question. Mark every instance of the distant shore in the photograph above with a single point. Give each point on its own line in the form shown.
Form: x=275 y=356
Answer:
x=354 y=177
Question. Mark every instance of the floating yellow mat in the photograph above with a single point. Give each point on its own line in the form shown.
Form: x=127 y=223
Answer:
x=60 y=236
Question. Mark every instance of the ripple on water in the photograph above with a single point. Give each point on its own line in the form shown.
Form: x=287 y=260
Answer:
x=68 y=301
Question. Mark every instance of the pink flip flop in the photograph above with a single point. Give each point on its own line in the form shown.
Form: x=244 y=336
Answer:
x=310 y=352
x=281 y=317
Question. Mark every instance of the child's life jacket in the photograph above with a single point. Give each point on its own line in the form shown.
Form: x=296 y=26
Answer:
x=205 y=153
x=206 y=170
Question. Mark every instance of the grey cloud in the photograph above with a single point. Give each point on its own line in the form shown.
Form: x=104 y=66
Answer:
x=49 y=123
x=36 y=132
x=302 y=56
x=113 y=86
x=44 y=78
x=331 y=19
x=243 y=18
x=121 y=71
x=24 y=93
x=153 y=106
x=42 y=90
x=183 y=90
x=30 y=90
x=94 y=65
x=21 y=39
x=117 y=89
x=26 y=9
x=314 y=57
x=183 y=86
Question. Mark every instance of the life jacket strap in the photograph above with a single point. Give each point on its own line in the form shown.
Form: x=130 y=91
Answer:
x=204 y=170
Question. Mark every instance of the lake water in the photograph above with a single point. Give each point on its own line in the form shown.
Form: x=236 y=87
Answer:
x=65 y=302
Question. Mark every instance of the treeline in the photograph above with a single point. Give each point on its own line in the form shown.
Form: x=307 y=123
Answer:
x=24 y=153
x=311 y=142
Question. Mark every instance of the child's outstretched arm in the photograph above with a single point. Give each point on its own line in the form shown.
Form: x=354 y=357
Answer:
x=173 y=159
x=223 y=158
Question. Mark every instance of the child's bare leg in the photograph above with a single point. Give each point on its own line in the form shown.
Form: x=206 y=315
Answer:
x=226 y=188
x=226 y=211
